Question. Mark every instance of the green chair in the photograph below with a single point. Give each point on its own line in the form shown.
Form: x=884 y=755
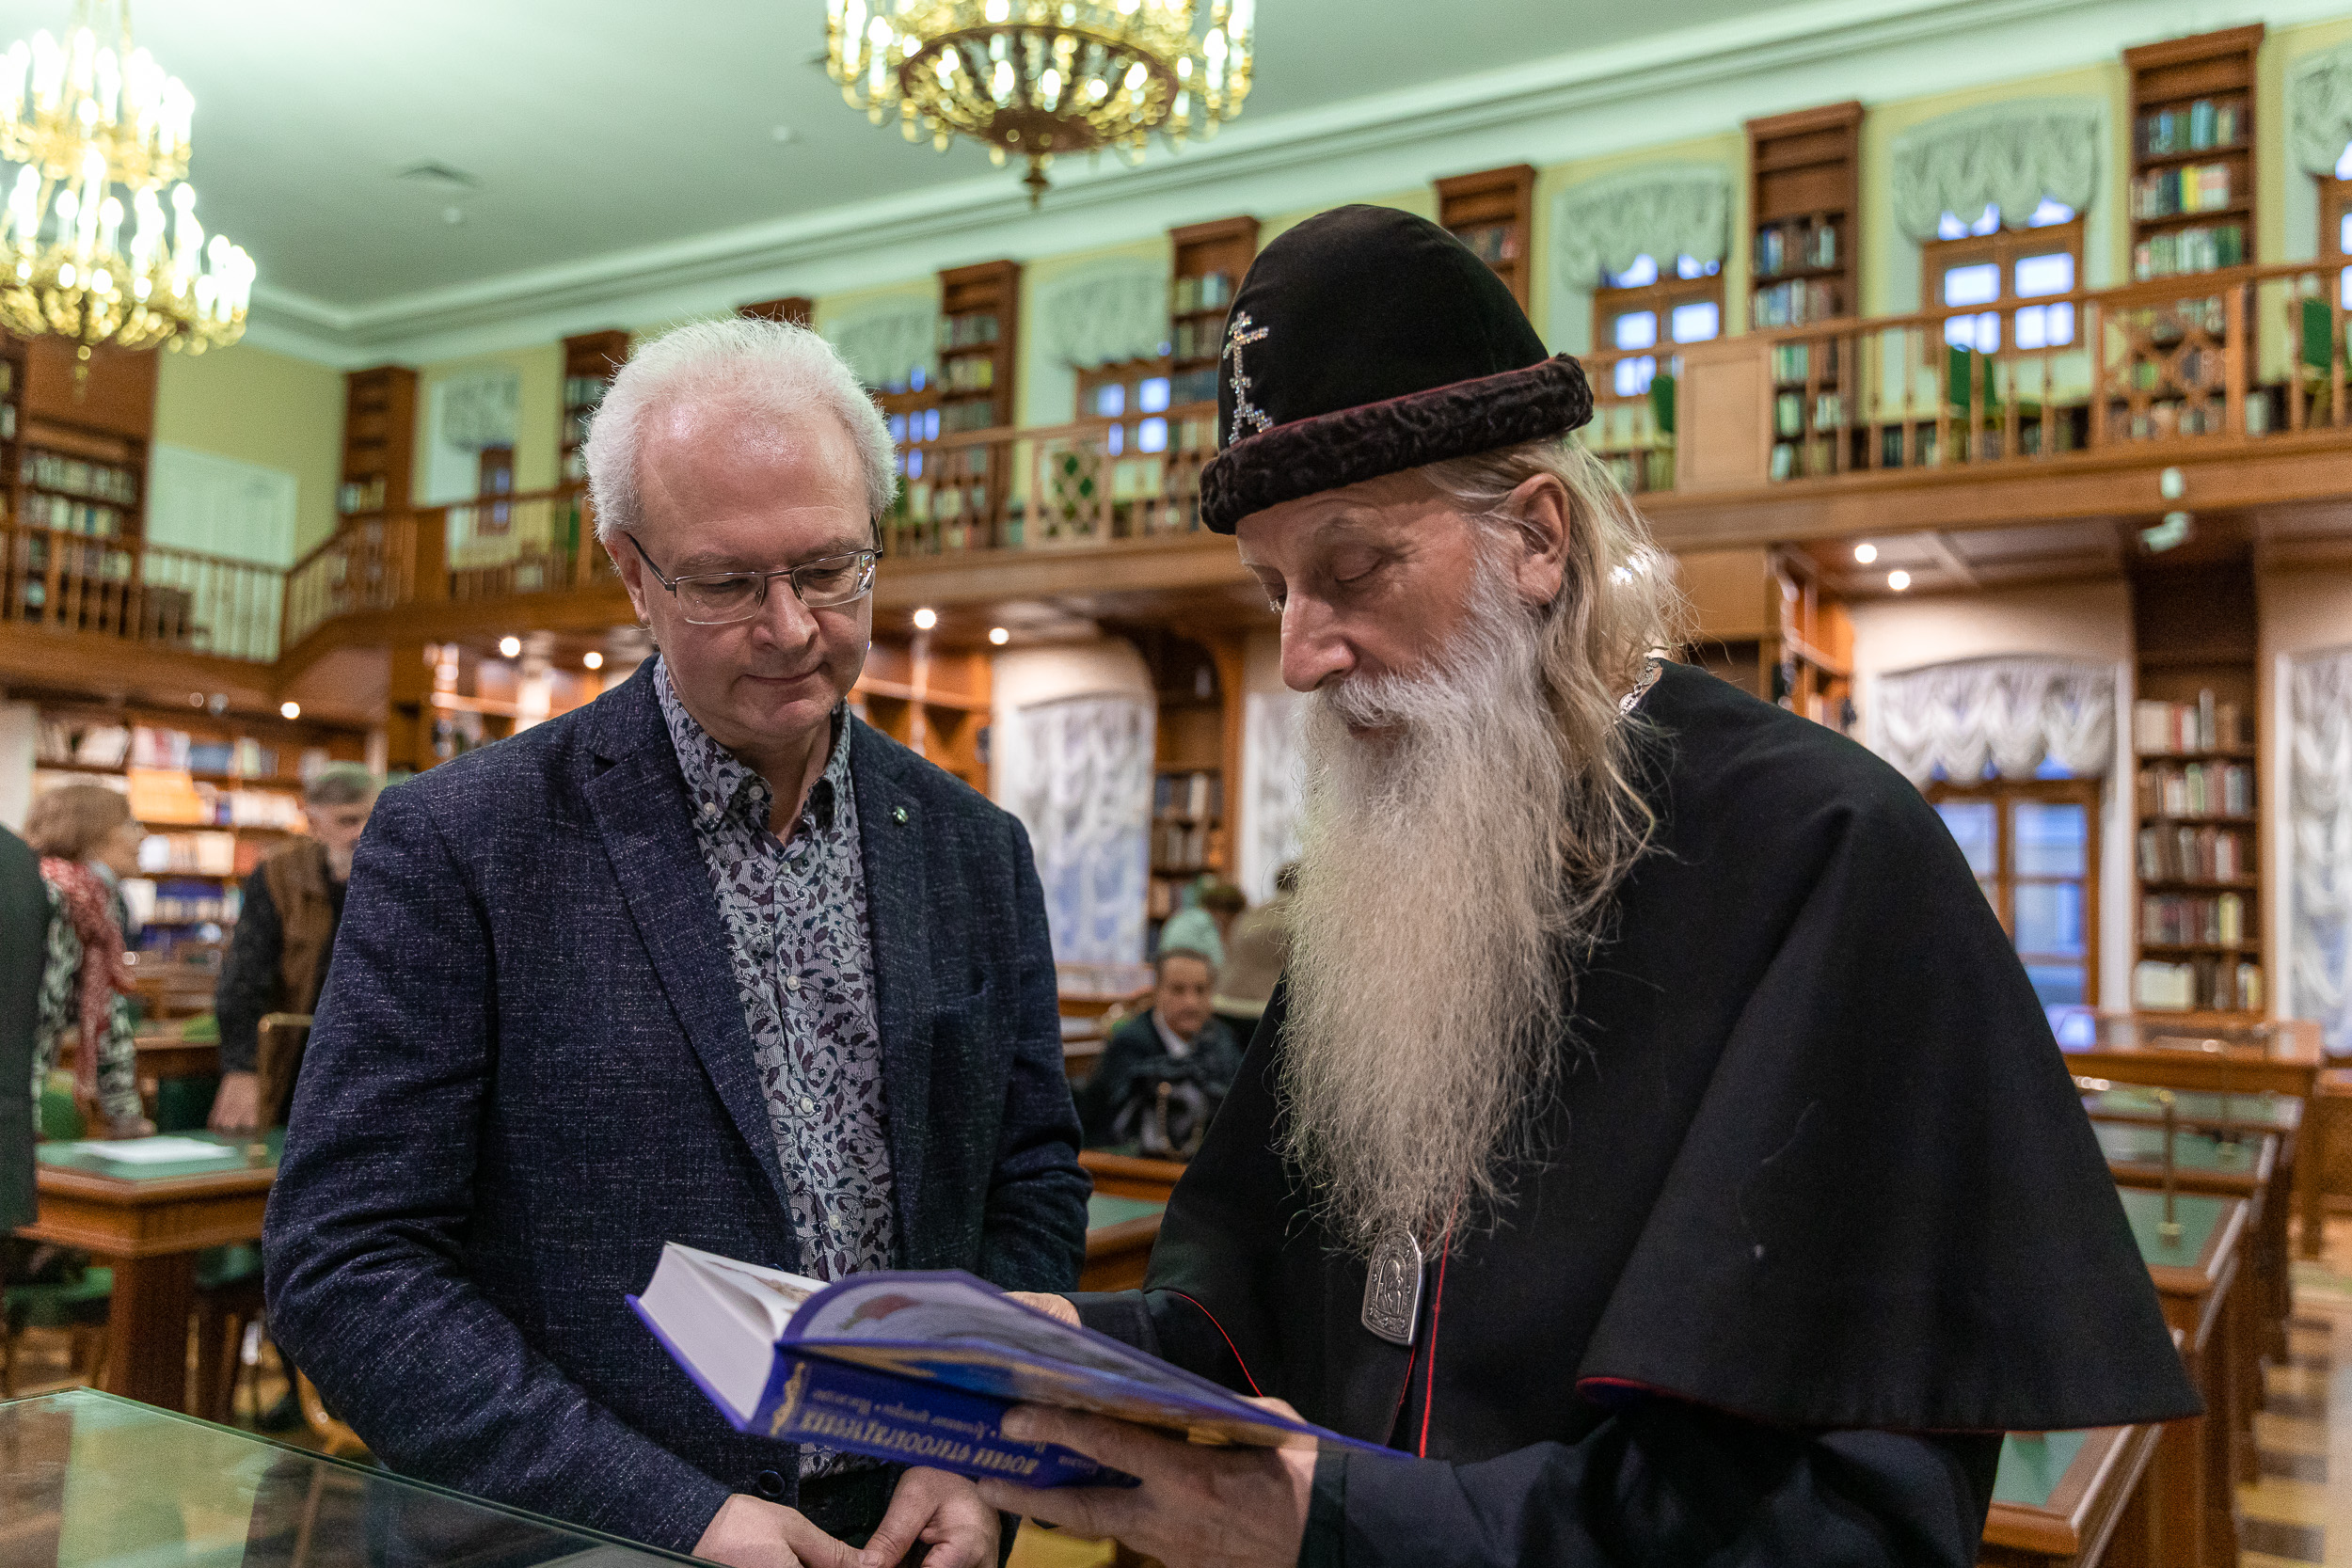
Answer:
x=77 y=1307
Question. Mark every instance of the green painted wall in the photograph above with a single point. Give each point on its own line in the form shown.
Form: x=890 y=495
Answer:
x=259 y=407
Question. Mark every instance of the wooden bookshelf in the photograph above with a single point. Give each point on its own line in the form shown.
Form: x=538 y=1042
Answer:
x=1209 y=262
x=2191 y=196
x=1767 y=623
x=379 y=440
x=931 y=701
x=1197 y=682
x=1493 y=212
x=792 y=311
x=979 y=336
x=1805 y=202
x=73 y=439
x=2197 y=852
x=590 y=362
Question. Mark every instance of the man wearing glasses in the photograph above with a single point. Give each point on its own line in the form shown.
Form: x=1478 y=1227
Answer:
x=708 y=961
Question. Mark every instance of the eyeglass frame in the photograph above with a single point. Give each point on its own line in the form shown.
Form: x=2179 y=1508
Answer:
x=866 y=560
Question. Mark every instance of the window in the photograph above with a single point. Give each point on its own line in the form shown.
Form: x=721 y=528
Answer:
x=1636 y=310
x=2335 y=223
x=2034 y=846
x=1977 y=261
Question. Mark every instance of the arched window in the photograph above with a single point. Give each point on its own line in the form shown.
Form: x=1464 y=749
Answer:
x=1643 y=309
x=1978 y=261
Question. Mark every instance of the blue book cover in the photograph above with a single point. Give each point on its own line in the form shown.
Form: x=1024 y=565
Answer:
x=920 y=1368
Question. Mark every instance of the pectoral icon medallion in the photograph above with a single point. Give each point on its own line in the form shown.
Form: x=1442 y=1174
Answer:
x=1393 y=1288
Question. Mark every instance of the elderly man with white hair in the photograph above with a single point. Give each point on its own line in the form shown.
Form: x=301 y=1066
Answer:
x=708 y=961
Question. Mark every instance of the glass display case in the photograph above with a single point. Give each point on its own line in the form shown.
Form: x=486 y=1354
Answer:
x=93 y=1481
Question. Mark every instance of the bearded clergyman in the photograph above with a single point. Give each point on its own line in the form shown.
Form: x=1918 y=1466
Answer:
x=1654 y=1142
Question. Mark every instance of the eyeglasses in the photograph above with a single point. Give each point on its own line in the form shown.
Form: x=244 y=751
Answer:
x=722 y=599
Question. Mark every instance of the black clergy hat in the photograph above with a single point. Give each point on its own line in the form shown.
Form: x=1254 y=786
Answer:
x=1366 y=341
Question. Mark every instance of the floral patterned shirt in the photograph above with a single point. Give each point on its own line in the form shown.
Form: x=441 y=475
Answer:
x=798 y=939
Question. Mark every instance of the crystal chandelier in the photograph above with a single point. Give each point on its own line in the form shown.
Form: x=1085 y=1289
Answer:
x=81 y=119
x=1039 y=78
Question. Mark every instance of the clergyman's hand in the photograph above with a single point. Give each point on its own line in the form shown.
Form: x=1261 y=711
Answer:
x=1198 y=1507
x=752 y=1532
x=941 y=1510
x=236 y=1106
x=1060 y=1309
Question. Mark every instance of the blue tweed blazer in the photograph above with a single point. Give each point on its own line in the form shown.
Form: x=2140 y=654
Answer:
x=531 y=1068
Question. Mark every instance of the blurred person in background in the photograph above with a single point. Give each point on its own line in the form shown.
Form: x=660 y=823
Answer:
x=1178 y=1041
x=285 y=934
x=87 y=843
x=1205 y=923
x=25 y=917
x=1256 y=949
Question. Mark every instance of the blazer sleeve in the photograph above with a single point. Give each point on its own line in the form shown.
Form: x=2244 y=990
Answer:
x=1034 y=1233
x=248 y=976
x=369 y=1289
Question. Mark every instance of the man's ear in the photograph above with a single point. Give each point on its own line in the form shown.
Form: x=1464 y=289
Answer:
x=631 y=572
x=1539 y=510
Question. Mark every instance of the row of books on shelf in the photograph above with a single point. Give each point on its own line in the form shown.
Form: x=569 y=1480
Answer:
x=575 y=428
x=1162 y=898
x=1178 y=846
x=973 y=374
x=1793 y=362
x=2211 y=723
x=67 y=515
x=2189 y=188
x=1211 y=290
x=1794 y=303
x=972 y=414
x=1193 y=387
x=2178 y=854
x=2214 y=984
x=2198 y=789
x=1780 y=247
x=1638 y=472
x=1491 y=242
x=1788 y=410
x=206 y=854
x=2187 y=920
x=97 y=481
x=182 y=903
x=359 y=495
x=7 y=412
x=969 y=330
x=99 y=744
x=2206 y=123
x=1192 y=795
x=2201 y=248
x=1202 y=338
x=583 y=391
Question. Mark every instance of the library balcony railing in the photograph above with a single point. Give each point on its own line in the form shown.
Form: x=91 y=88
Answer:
x=2234 y=355
x=131 y=591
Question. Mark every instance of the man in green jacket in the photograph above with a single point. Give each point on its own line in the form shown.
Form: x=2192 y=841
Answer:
x=24 y=931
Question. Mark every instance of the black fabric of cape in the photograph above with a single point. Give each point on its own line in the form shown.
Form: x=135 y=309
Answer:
x=1816 y=1160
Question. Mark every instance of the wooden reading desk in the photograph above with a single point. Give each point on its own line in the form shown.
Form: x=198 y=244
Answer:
x=2196 y=1467
x=2069 y=1499
x=148 y=1223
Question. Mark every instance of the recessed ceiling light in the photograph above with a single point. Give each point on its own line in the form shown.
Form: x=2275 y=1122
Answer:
x=509 y=646
x=926 y=618
x=593 y=660
x=1866 y=552
x=1000 y=636
x=1899 y=580
x=289 y=710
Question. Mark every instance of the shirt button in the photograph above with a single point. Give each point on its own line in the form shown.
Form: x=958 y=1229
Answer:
x=792 y=982
x=710 y=808
x=807 y=1104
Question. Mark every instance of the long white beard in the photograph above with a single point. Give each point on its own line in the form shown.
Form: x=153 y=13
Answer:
x=1426 y=987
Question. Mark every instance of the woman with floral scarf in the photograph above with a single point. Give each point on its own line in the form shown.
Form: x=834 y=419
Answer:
x=87 y=843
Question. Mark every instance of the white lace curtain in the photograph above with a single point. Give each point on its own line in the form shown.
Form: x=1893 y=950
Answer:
x=883 y=346
x=478 y=410
x=2008 y=155
x=1271 y=783
x=2319 y=110
x=1080 y=781
x=2009 y=714
x=2320 y=817
x=1661 y=213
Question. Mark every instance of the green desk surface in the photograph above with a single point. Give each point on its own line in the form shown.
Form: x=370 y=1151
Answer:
x=2278 y=1112
x=2130 y=1143
x=2031 y=1464
x=2197 y=1213
x=66 y=1156
x=1101 y=1210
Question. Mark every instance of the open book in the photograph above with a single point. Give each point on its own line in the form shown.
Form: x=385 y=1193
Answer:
x=920 y=1367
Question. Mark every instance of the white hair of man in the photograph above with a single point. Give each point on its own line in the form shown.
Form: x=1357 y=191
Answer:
x=1459 y=864
x=741 y=364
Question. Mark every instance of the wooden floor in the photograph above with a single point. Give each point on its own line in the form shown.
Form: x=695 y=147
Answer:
x=2298 y=1514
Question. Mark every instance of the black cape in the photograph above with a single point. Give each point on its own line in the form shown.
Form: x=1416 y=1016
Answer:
x=1815 y=1162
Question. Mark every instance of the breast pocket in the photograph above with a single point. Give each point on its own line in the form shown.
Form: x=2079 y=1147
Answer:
x=964 y=1031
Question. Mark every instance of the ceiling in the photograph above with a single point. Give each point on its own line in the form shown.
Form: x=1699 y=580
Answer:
x=594 y=126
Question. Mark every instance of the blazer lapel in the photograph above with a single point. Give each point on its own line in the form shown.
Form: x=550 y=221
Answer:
x=641 y=812
x=890 y=824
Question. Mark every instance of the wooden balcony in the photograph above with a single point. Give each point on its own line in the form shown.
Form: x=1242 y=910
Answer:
x=2079 y=417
